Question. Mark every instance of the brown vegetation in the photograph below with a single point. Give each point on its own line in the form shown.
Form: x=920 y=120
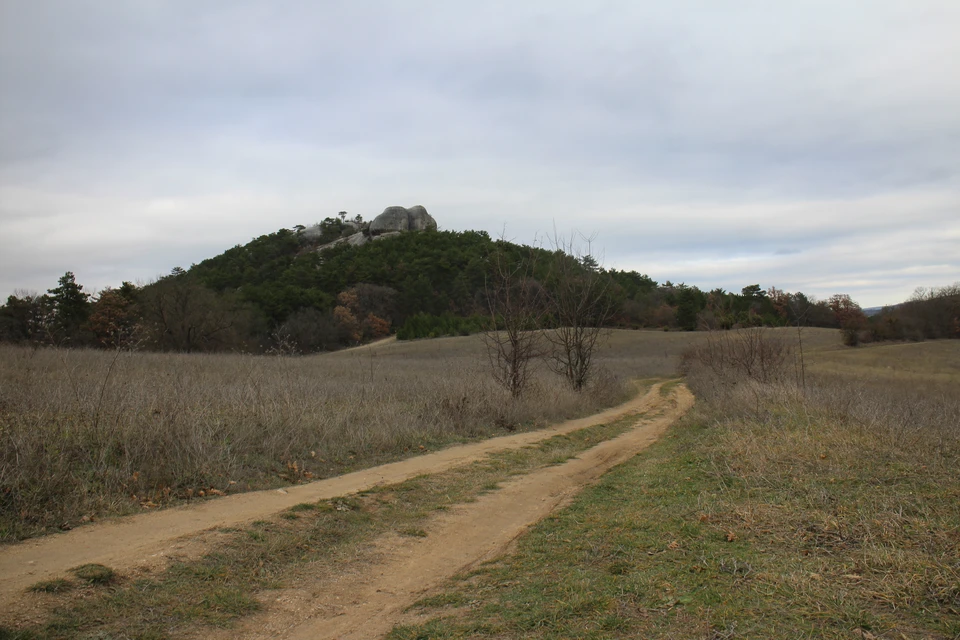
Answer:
x=85 y=433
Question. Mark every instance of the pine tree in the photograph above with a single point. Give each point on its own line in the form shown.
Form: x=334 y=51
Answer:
x=71 y=307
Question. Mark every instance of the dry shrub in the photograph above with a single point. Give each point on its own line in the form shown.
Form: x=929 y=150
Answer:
x=757 y=354
x=85 y=433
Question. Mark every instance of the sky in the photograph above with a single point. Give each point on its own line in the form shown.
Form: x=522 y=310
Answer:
x=814 y=146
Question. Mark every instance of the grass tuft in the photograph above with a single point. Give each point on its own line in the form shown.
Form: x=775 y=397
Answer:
x=304 y=506
x=94 y=573
x=57 y=585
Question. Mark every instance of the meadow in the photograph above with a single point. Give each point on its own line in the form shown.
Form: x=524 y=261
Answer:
x=824 y=510
x=86 y=434
x=814 y=503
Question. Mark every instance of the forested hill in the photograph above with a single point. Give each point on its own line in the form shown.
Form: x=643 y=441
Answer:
x=294 y=291
x=430 y=272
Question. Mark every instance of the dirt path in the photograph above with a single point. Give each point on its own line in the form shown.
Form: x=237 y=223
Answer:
x=382 y=342
x=367 y=604
x=150 y=538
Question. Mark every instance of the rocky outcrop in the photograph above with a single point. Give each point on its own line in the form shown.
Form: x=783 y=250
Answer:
x=397 y=219
x=392 y=222
x=355 y=240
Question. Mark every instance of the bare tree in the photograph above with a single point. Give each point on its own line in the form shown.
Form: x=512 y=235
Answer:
x=581 y=304
x=515 y=304
x=182 y=315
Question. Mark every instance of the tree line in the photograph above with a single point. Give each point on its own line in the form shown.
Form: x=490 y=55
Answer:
x=278 y=292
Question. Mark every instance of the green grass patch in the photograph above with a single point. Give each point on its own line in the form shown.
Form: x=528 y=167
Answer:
x=58 y=585
x=304 y=506
x=733 y=530
x=440 y=600
x=94 y=573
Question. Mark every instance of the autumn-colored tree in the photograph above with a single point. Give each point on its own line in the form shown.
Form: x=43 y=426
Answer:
x=780 y=300
x=374 y=327
x=345 y=317
x=112 y=320
x=849 y=316
x=363 y=312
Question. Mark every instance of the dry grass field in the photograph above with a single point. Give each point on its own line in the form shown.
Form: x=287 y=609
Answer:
x=85 y=434
x=936 y=361
x=830 y=509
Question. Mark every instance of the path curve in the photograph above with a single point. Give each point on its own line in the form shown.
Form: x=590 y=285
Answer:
x=367 y=604
x=136 y=540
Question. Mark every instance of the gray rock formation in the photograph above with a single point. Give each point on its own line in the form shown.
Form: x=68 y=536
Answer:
x=355 y=240
x=398 y=219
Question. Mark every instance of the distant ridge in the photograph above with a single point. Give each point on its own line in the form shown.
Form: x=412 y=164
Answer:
x=872 y=311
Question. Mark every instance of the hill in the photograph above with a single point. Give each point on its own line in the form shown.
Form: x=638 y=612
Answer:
x=344 y=282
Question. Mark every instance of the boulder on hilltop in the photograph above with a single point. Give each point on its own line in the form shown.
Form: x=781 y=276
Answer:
x=392 y=219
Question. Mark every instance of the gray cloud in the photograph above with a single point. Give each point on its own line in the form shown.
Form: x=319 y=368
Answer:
x=798 y=145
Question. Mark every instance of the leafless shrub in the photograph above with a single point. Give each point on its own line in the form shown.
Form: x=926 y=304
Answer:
x=756 y=354
x=581 y=305
x=515 y=304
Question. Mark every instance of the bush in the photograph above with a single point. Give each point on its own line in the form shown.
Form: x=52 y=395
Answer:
x=756 y=354
x=424 y=325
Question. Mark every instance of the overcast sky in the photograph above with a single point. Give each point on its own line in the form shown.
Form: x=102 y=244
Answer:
x=814 y=146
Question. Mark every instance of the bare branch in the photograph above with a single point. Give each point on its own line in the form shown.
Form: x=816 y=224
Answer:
x=581 y=303
x=515 y=304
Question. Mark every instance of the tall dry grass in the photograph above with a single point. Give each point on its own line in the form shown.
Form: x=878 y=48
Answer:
x=86 y=433
x=851 y=480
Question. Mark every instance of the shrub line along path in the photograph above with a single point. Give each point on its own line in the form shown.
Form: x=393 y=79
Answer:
x=151 y=538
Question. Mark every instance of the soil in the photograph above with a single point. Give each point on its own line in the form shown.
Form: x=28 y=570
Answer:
x=367 y=603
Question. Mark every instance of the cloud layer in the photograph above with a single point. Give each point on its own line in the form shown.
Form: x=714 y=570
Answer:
x=812 y=147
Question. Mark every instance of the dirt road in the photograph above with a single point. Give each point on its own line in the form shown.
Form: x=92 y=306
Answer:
x=367 y=604
x=149 y=538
